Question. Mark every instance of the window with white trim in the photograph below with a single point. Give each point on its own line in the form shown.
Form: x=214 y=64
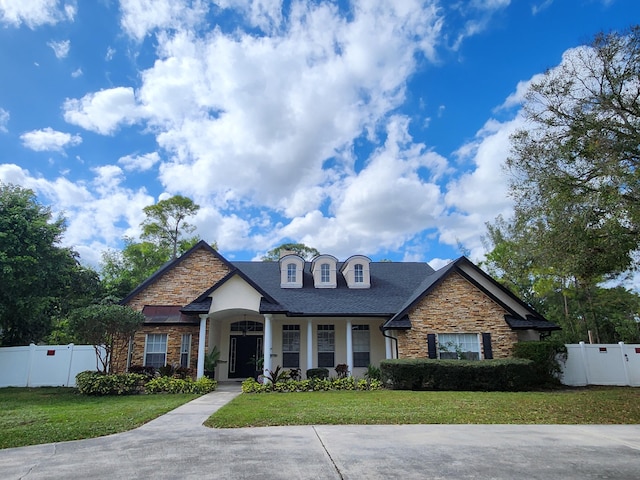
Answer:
x=360 y=340
x=459 y=346
x=325 y=273
x=358 y=273
x=291 y=346
x=155 y=350
x=291 y=272
x=185 y=350
x=326 y=345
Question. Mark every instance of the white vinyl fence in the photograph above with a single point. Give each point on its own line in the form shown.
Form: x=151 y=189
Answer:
x=602 y=364
x=45 y=365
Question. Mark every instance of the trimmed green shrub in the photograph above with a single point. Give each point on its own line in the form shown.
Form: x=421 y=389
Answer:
x=311 y=385
x=461 y=375
x=317 y=373
x=181 y=385
x=373 y=373
x=546 y=356
x=96 y=383
x=148 y=371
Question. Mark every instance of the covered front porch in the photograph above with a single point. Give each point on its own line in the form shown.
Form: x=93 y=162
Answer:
x=250 y=343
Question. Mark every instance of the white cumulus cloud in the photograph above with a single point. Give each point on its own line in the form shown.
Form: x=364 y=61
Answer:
x=104 y=111
x=49 y=139
x=34 y=13
x=139 y=163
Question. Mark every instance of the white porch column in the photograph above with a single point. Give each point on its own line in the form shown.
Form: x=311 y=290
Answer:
x=309 y=344
x=387 y=348
x=349 y=348
x=268 y=341
x=201 y=343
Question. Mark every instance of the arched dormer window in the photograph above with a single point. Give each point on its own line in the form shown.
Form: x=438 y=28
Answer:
x=291 y=268
x=323 y=269
x=356 y=271
x=291 y=272
x=324 y=273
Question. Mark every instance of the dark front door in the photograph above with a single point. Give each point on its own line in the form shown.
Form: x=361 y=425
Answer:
x=243 y=352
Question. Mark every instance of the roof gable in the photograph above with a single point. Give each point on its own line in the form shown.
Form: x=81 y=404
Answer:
x=481 y=280
x=167 y=267
x=202 y=304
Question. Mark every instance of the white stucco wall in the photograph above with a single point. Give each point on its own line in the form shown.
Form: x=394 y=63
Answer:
x=235 y=294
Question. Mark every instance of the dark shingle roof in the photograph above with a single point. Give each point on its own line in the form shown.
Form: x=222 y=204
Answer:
x=530 y=322
x=395 y=288
x=167 y=314
x=391 y=283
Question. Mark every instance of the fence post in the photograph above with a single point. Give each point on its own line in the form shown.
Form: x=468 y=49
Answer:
x=70 y=346
x=585 y=362
x=32 y=354
x=625 y=364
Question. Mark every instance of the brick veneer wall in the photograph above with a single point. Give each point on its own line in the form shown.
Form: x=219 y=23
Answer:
x=456 y=306
x=179 y=286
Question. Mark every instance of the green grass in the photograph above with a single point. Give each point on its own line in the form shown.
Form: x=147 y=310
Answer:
x=31 y=416
x=599 y=405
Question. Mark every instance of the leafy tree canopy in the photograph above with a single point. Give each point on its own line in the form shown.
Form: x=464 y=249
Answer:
x=299 y=248
x=525 y=266
x=574 y=168
x=107 y=326
x=41 y=281
x=166 y=222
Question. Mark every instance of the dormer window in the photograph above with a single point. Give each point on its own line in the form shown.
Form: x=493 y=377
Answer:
x=324 y=273
x=356 y=272
x=323 y=269
x=291 y=267
x=291 y=273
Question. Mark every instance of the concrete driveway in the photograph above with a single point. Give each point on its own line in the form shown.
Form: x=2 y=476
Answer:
x=176 y=445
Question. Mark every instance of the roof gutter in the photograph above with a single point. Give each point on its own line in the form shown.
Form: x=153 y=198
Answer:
x=384 y=334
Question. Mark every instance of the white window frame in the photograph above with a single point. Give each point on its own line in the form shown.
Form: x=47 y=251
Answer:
x=461 y=346
x=361 y=341
x=292 y=272
x=326 y=342
x=290 y=345
x=185 y=349
x=325 y=273
x=147 y=343
x=358 y=273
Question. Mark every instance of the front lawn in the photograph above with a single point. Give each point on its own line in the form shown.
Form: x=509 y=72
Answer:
x=31 y=416
x=595 y=405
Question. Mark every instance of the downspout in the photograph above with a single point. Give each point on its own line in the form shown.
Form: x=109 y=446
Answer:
x=382 y=330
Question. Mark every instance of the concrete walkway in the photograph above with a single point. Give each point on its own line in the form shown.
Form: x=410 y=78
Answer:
x=177 y=445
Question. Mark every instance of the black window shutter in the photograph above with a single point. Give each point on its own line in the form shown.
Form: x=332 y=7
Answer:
x=486 y=345
x=431 y=345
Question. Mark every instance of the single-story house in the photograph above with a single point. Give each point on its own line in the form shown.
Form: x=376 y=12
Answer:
x=321 y=313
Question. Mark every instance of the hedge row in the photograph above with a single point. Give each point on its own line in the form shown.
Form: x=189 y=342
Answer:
x=310 y=385
x=181 y=385
x=98 y=384
x=487 y=375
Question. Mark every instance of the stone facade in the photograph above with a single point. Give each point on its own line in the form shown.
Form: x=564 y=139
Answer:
x=182 y=284
x=456 y=306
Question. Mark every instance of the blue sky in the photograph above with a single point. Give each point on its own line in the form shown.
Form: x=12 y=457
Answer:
x=369 y=127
